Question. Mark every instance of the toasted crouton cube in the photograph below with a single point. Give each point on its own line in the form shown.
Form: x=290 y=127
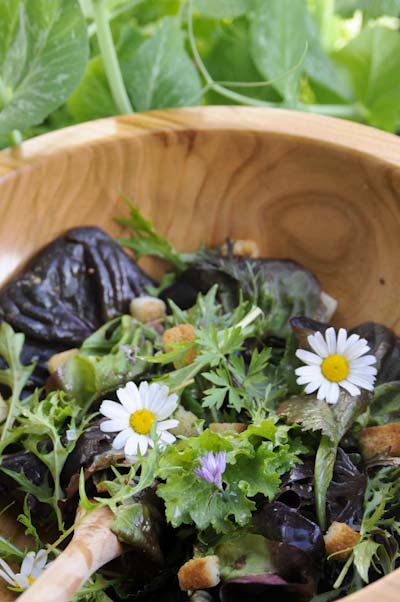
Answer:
x=59 y=359
x=184 y=333
x=199 y=573
x=340 y=537
x=147 y=309
x=243 y=248
x=376 y=440
x=227 y=427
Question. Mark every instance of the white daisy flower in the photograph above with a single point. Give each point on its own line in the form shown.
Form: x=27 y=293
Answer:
x=337 y=362
x=32 y=567
x=134 y=417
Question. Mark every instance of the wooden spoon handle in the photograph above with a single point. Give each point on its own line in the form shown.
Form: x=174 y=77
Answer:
x=93 y=545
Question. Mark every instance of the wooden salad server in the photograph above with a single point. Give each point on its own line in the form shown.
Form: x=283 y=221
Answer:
x=92 y=546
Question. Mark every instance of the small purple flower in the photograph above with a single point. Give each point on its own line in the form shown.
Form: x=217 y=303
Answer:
x=212 y=467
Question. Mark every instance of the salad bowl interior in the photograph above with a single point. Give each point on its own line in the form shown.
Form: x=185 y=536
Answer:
x=320 y=191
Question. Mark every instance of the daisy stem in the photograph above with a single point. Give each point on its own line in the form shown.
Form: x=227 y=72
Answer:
x=323 y=473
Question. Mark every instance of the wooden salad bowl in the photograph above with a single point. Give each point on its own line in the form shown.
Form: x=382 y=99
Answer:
x=318 y=190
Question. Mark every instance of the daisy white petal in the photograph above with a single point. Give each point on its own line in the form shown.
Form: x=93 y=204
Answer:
x=323 y=390
x=167 y=437
x=357 y=350
x=368 y=372
x=167 y=409
x=27 y=563
x=341 y=341
x=22 y=581
x=318 y=344
x=167 y=424
x=365 y=360
x=112 y=426
x=333 y=393
x=129 y=397
x=308 y=357
x=308 y=371
x=350 y=388
x=362 y=382
x=313 y=386
x=144 y=394
x=7 y=573
x=353 y=338
x=39 y=563
x=330 y=336
x=143 y=444
x=303 y=380
x=122 y=437
x=131 y=446
x=112 y=409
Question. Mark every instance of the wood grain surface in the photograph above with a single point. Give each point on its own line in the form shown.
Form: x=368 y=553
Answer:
x=322 y=191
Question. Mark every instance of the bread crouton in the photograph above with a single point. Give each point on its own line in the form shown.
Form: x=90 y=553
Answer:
x=340 y=537
x=59 y=359
x=199 y=573
x=147 y=309
x=184 y=333
x=227 y=427
x=376 y=440
x=243 y=248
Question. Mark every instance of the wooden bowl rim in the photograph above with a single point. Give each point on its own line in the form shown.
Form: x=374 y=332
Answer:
x=343 y=135
x=328 y=131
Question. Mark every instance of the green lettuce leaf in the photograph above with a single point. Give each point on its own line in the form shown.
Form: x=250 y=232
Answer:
x=255 y=461
x=15 y=376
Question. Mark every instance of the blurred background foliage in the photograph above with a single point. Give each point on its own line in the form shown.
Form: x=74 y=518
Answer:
x=67 y=61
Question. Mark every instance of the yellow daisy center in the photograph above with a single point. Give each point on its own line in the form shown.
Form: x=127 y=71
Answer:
x=141 y=421
x=335 y=368
x=31 y=579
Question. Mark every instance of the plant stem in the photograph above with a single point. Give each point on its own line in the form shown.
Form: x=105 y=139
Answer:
x=110 y=58
x=348 y=111
x=324 y=12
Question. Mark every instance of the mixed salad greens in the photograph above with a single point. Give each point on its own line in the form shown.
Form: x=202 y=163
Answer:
x=246 y=449
x=67 y=61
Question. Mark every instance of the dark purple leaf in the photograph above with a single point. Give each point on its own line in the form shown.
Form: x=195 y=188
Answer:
x=279 y=523
x=67 y=290
x=261 y=588
x=345 y=495
x=385 y=345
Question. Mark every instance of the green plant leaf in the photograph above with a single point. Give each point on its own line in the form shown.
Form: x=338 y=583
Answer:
x=279 y=42
x=92 y=99
x=145 y=240
x=43 y=54
x=14 y=376
x=385 y=406
x=223 y=9
x=319 y=67
x=315 y=415
x=373 y=61
x=363 y=557
x=371 y=8
x=161 y=74
x=229 y=59
x=323 y=473
x=8 y=551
